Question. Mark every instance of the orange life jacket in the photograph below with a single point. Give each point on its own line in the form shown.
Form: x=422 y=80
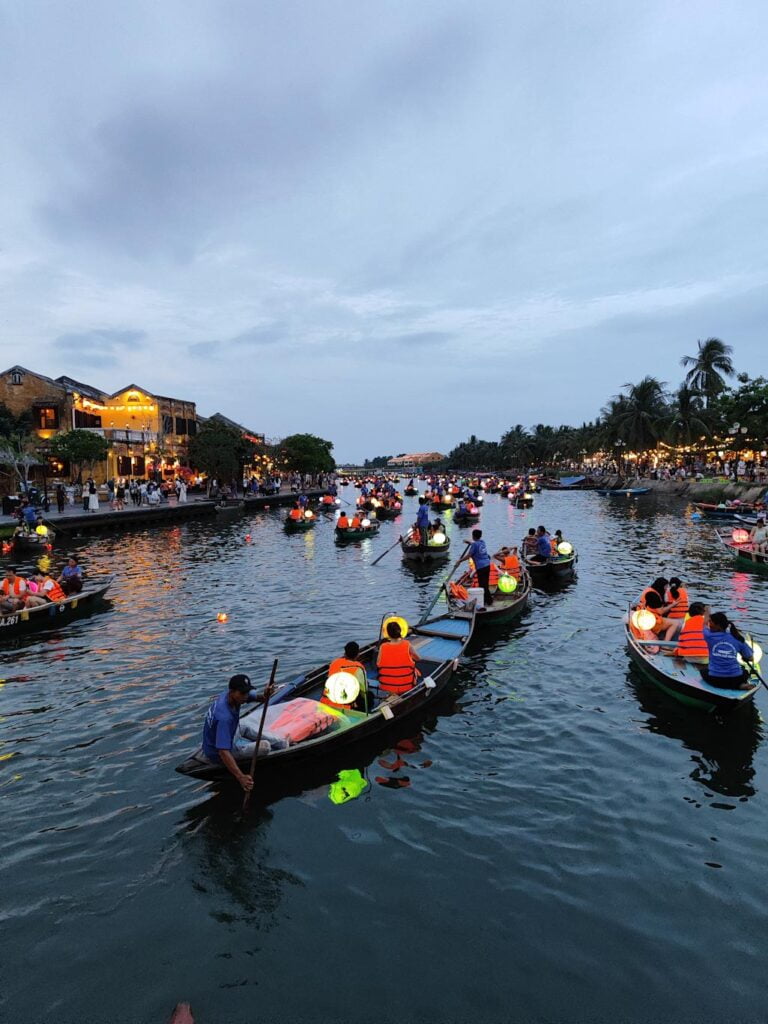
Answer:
x=512 y=565
x=493 y=576
x=17 y=588
x=645 y=593
x=554 y=544
x=295 y=513
x=679 y=607
x=397 y=669
x=459 y=592
x=691 y=642
x=356 y=524
x=54 y=593
x=355 y=668
x=342 y=523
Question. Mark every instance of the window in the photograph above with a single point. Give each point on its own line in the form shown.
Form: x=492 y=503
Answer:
x=181 y=426
x=191 y=427
x=17 y=377
x=86 y=419
x=167 y=424
x=46 y=417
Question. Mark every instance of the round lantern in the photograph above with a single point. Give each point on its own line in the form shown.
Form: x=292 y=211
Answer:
x=643 y=619
x=740 y=536
x=438 y=538
x=564 y=548
x=507 y=584
x=342 y=688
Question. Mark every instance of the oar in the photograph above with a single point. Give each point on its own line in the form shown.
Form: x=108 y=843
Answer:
x=425 y=616
x=267 y=693
x=388 y=550
x=754 y=672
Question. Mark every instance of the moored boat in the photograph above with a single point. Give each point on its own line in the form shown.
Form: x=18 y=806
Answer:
x=678 y=678
x=624 y=492
x=56 y=613
x=723 y=511
x=438 y=643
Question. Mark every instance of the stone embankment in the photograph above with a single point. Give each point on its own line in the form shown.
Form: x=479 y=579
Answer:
x=715 y=489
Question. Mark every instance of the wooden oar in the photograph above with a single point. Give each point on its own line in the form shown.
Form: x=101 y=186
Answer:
x=425 y=616
x=267 y=694
x=387 y=551
x=756 y=673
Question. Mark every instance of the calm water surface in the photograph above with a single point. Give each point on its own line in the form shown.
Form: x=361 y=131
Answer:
x=560 y=843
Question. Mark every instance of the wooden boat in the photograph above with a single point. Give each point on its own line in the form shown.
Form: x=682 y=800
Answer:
x=626 y=492
x=32 y=542
x=230 y=505
x=711 y=511
x=521 y=500
x=299 y=525
x=438 y=642
x=55 y=614
x=383 y=513
x=424 y=553
x=743 y=552
x=466 y=518
x=410 y=492
x=680 y=679
x=505 y=607
x=559 y=567
x=343 y=536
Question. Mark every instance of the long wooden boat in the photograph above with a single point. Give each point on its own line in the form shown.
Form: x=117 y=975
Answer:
x=557 y=567
x=55 y=614
x=31 y=542
x=343 y=536
x=744 y=553
x=678 y=678
x=711 y=511
x=438 y=642
x=424 y=553
x=505 y=607
x=299 y=525
x=626 y=492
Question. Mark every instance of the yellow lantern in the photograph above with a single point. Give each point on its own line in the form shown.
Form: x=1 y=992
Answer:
x=507 y=584
x=404 y=627
x=342 y=688
x=643 y=619
x=564 y=548
x=438 y=538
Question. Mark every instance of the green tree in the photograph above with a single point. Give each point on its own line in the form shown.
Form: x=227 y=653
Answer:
x=747 y=406
x=640 y=419
x=709 y=368
x=81 y=448
x=689 y=420
x=474 y=454
x=377 y=463
x=305 y=453
x=219 y=451
x=12 y=425
x=516 y=447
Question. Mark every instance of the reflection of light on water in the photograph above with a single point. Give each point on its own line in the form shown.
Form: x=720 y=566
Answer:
x=309 y=545
x=741 y=585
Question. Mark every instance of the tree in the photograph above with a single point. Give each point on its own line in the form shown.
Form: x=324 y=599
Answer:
x=18 y=452
x=306 y=453
x=709 y=368
x=640 y=416
x=80 y=448
x=12 y=425
x=746 y=406
x=378 y=463
x=474 y=455
x=220 y=451
x=516 y=447
x=689 y=420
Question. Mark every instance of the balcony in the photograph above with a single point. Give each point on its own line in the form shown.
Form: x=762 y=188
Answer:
x=119 y=435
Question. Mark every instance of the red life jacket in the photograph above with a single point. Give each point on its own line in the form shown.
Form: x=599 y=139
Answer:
x=397 y=670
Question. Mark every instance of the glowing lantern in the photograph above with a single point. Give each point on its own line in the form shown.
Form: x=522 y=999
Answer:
x=349 y=786
x=643 y=619
x=41 y=531
x=740 y=536
x=507 y=584
x=338 y=501
x=222 y=617
x=399 y=620
x=438 y=538
x=527 y=496
x=247 y=538
x=342 y=688
x=564 y=548
x=757 y=653
x=309 y=514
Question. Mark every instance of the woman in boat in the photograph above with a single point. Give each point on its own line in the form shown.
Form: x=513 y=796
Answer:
x=530 y=544
x=725 y=644
x=357 y=523
x=691 y=645
x=654 y=604
x=758 y=535
x=48 y=591
x=71 y=578
x=676 y=606
x=658 y=587
x=396 y=662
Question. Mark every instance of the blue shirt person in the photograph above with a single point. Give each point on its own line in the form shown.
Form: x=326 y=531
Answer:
x=478 y=552
x=422 y=521
x=220 y=726
x=725 y=644
x=543 y=544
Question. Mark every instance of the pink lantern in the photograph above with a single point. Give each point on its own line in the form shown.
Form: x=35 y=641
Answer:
x=740 y=536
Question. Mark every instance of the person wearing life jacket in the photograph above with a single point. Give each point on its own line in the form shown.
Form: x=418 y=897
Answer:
x=356 y=523
x=658 y=587
x=509 y=561
x=691 y=644
x=725 y=645
x=675 y=607
x=13 y=590
x=48 y=591
x=654 y=604
x=295 y=513
x=530 y=544
x=342 y=523
x=396 y=662
x=349 y=663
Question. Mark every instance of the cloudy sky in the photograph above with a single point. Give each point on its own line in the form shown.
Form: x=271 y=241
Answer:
x=389 y=222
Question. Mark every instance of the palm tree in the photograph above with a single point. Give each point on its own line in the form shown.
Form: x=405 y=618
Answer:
x=709 y=368
x=516 y=446
x=688 y=420
x=640 y=419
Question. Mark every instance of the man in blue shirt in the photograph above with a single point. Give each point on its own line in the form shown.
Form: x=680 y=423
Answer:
x=422 y=521
x=478 y=552
x=543 y=545
x=221 y=724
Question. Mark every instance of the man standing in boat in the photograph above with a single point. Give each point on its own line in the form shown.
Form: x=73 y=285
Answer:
x=221 y=724
x=422 y=522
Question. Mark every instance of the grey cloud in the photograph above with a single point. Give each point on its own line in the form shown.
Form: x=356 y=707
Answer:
x=101 y=347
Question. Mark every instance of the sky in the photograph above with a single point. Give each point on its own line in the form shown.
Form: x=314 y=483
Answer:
x=391 y=223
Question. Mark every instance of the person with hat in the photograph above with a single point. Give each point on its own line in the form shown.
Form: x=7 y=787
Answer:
x=759 y=536
x=221 y=724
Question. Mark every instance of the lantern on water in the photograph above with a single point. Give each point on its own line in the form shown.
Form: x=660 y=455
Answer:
x=564 y=548
x=643 y=619
x=438 y=538
x=351 y=783
x=247 y=538
x=507 y=584
x=404 y=627
x=342 y=688
x=740 y=536
x=222 y=617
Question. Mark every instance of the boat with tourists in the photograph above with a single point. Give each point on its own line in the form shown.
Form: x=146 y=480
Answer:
x=737 y=543
x=55 y=614
x=510 y=597
x=367 y=528
x=435 y=549
x=300 y=524
x=557 y=567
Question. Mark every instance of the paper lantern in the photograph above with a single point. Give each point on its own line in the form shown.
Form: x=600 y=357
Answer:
x=247 y=538
x=507 y=584
x=365 y=523
x=643 y=619
x=438 y=538
x=404 y=627
x=222 y=617
x=740 y=536
x=342 y=688
x=564 y=548
x=309 y=514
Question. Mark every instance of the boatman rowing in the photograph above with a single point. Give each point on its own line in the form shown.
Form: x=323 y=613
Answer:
x=221 y=724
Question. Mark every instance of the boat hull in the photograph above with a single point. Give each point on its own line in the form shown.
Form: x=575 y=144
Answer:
x=54 y=615
x=555 y=569
x=744 y=554
x=417 y=553
x=299 y=525
x=345 y=536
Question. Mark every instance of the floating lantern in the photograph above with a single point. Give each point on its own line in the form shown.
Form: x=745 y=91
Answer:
x=527 y=496
x=404 y=627
x=643 y=619
x=338 y=501
x=438 y=538
x=349 y=786
x=222 y=617
x=740 y=536
x=507 y=584
x=564 y=548
x=247 y=538
x=309 y=514
x=365 y=523
x=342 y=688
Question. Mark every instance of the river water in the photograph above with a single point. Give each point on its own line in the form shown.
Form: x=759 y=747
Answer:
x=558 y=843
